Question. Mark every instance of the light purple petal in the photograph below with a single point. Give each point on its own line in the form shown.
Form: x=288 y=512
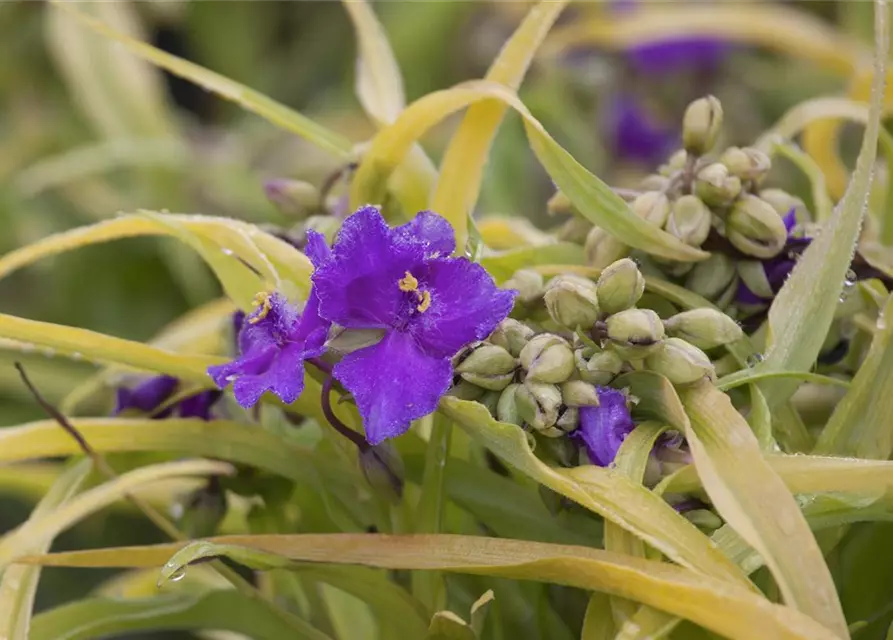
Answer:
x=431 y=231
x=393 y=383
x=603 y=428
x=466 y=305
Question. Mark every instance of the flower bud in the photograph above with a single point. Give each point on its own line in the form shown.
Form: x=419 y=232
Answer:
x=635 y=332
x=701 y=125
x=294 y=198
x=782 y=201
x=754 y=228
x=538 y=404
x=602 y=367
x=572 y=301
x=490 y=400
x=705 y=328
x=465 y=390
x=652 y=206
x=703 y=519
x=575 y=230
x=715 y=186
x=654 y=182
x=328 y=226
x=679 y=361
x=528 y=283
x=601 y=248
x=559 y=204
x=383 y=468
x=487 y=359
x=569 y=420
x=747 y=163
x=675 y=163
x=199 y=513
x=547 y=358
x=711 y=277
x=577 y=393
x=511 y=335
x=619 y=286
x=507 y=406
x=689 y=220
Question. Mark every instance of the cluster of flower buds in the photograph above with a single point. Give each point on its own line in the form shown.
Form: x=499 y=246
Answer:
x=580 y=336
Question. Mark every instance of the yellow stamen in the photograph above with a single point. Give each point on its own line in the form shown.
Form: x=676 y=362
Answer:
x=408 y=283
x=261 y=300
x=425 y=303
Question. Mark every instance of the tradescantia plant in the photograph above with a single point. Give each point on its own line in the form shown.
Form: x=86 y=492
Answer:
x=661 y=417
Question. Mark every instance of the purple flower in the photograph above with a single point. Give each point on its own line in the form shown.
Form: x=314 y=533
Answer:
x=151 y=394
x=635 y=134
x=603 y=428
x=776 y=268
x=686 y=53
x=274 y=341
x=403 y=281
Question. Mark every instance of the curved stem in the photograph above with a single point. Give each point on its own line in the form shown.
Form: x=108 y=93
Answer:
x=336 y=423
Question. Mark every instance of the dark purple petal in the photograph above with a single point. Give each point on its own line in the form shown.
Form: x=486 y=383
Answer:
x=238 y=322
x=431 y=231
x=283 y=374
x=677 y=54
x=634 y=134
x=146 y=396
x=777 y=271
x=790 y=220
x=393 y=383
x=317 y=249
x=744 y=295
x=198 y=405
x=603 y=428
x=466 y=305
x=358 y=287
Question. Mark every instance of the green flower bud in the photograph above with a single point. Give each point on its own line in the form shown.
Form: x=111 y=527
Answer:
x=294 y=198
x=652 y=206
x=602 y=367
x=465 y=390
x=538 y=404
x=574 y=230
x=559 y=204
x=675 y=163
x=572 y=301
x=754 y=228
x=783 y=202
x=507 y=406
x=654 y=182
x=547 y=358
x=701 y=125
x=528 y=283
x=328 y=226
x=715 y=186
x=747 y=163
x=601 y=248
x=679 y=361
x=200 y=513
x=689 y=220
x=383 y=468
x=577 y=393
x=487 y=359
x=703 y=519
x=705 y=328
x=619 y=286
x=711 y=277
x=511 y=335
x=635 y=332
x=490 y=399
x=568 y=421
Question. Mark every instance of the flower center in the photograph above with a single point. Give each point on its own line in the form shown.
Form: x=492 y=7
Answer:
x=410 y=284
x=264 y=306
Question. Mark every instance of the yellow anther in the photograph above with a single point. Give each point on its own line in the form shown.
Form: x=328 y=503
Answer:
x=425 y=301
x=261 y=300
x=408 y=283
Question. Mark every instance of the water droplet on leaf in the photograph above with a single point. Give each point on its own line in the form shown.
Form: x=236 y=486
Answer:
x=754 y=359
x=178 y=575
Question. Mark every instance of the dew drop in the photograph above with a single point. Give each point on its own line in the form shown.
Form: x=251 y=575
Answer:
x=754 y=359
x=850 y=278
x=178 y=575
x=227 y=252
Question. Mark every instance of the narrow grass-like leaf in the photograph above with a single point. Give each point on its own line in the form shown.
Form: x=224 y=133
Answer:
x=755 y=502
x=822 y=204
x=503 y=264
x=591 y=197
x=598 y=623
x=719 y=605
x=462 y=168
x=754 y=376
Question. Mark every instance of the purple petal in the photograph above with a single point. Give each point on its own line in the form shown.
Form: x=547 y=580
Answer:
x=635 y=134
x=283 y=375
x=603 y=428
x=146 y=396
x=317 y=249
x=744 y=295
x=678 y=54
x=777 y=271
x=198 y=405
x=790 y=220
x=430 y=230
x=393 y=383
x=466 y=305
x=238 y=319
x=358 y=287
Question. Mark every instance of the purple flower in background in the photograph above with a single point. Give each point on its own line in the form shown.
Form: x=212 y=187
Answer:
x=691 y=53
x=777 y=268
x=403 y=281
x=635 y=134
x=603 y=428
x=149 y=395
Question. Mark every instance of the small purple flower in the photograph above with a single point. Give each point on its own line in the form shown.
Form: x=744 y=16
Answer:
x=687 y=53
x=777 y=268
x=274 y=341
x=603 y=428
x=403 y=281
x=151 y=394
x=635 y=134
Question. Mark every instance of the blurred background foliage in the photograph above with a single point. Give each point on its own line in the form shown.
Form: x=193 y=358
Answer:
x=88 y=131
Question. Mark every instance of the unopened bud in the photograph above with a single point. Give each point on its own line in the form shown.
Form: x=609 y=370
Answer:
x=704 y=327
x=547 y=358
x=490 y=400
x=487 y=359
x=568 y=421
x=572 y=301
x=602 y=367
x=559 y=204
x=715 y=186
x=383 y=468
x=711 y=277
x=654 y=182
x=679 y=361
x=755 y=229
x=511 y=335
x=528 y=283
x=601 y=248
x=507 y=406
x=575 y=230
x=200 y=513
x=689 y=220
x=652 y=206
x=465 y=390
x=703 y=519
x=635 y=332
x=577 y=393
x=538 y=404
x=747 y=163
x=701 y=125
x=675 y=163
x=782 y=201
x=328 y=226
x=294 y=198
x=619 y=286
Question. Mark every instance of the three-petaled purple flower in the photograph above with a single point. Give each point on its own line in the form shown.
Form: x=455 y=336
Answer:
x=402 y=280
x=603 y=428
x=777 y=268
x=151 y=394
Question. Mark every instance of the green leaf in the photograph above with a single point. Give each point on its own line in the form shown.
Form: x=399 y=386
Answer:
x=750 y=376
x=502 y=265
